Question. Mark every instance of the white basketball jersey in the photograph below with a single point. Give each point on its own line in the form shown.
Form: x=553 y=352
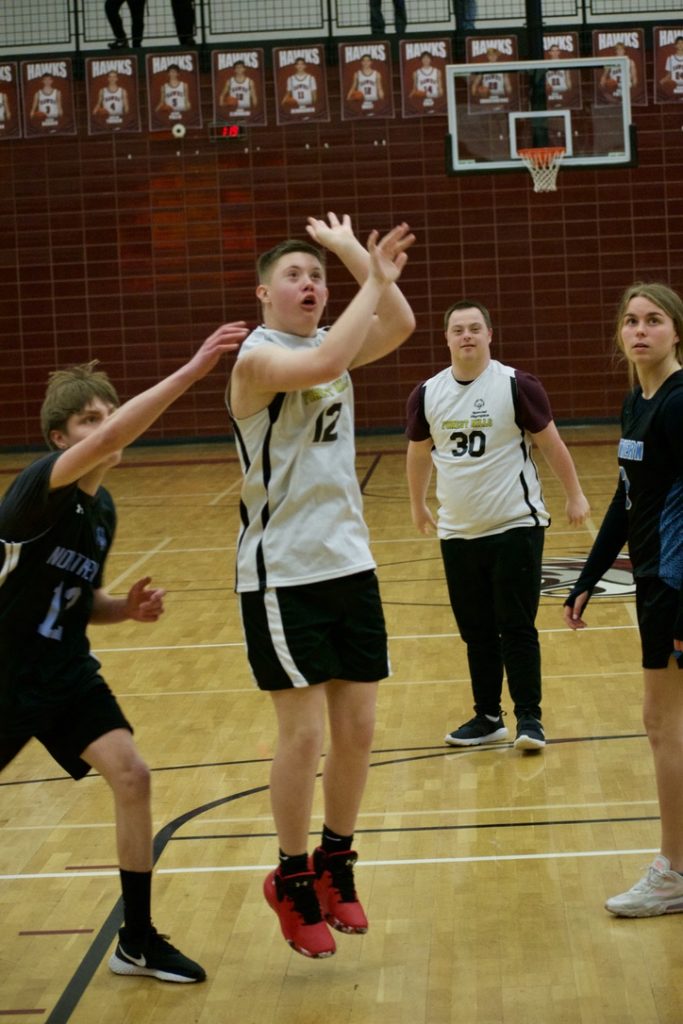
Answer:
x=674 y=67
x=175 y=97
x=368 y=85
x=241 y=91
x=112 y=101
x=486 y=479
x=300 y=505
x=48 y=104
x=615 y=73
x=556 y=82
x=302 y=88
x=495 y=83
x=3 y=108
x=427 y=81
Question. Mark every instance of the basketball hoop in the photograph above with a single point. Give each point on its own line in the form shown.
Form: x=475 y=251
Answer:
x=543 y=164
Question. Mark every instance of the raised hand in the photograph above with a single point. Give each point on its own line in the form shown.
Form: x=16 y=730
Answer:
x=227 y=338
x=332 y=235
x=388 y=256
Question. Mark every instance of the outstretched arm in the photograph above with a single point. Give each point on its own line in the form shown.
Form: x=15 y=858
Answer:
x=557 y=456
x=419 y=473
x=135 y=416
x=142 y=603
x=394 y=320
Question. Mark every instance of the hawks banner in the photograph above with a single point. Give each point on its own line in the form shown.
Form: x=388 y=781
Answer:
x=300 y=84
x=238 y=87
x=173 y=90
x=366 y=86
x=562 y=85
x=10 y=118
x=629 y=43
x=667 y=44
x=47 y=98
x=423 y=79
x=490 y=91
x=112 y=88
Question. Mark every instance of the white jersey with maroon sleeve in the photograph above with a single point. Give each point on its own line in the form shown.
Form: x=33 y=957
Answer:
x=486 y=479
x=300 y=505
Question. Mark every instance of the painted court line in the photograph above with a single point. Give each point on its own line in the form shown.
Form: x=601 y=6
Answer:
x=412 y=861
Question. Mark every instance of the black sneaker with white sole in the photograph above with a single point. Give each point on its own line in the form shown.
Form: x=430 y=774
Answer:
x=530 y=735
x=154 y=958
x=480 y=729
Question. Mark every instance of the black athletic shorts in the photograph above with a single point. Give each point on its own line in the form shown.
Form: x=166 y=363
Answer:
x=657 y=607
x=66 y=730
x=299 y=636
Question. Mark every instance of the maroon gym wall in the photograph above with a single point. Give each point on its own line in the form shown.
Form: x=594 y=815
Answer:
x=121 y=249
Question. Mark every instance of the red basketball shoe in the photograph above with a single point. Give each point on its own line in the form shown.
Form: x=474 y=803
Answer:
x=337 y=891
x=294 y=900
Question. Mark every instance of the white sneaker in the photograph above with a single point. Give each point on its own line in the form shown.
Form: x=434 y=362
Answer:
x=659 y=891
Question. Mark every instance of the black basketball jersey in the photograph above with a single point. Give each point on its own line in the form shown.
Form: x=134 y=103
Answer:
x=651 y=469
x=53 y=545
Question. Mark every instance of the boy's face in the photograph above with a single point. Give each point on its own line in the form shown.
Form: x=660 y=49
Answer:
x=294 y=295
x=81 y=424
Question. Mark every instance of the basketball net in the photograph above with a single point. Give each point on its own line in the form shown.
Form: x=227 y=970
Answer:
x=543 y=164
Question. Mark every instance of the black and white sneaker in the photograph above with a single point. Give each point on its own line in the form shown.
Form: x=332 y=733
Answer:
x=154 y=958
x=530 y=735
x=480 y=729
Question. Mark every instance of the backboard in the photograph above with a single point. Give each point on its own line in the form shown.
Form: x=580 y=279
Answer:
x=496 y=109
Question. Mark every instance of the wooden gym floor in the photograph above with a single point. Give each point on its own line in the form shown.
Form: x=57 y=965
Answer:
x=483 y=871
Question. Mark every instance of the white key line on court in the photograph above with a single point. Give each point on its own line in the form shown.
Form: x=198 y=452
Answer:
x=235 y=486
x=412 y=861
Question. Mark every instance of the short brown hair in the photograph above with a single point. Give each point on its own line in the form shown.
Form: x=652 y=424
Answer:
x=69 y=391
x=466 y=304
x=267 y=260
x=664 y=298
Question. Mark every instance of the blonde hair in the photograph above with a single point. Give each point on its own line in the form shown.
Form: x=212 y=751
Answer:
x=69 y=391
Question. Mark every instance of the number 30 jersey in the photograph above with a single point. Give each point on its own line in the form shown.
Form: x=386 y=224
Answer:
x=53 y=545
x=486 y=479
x=300 y=505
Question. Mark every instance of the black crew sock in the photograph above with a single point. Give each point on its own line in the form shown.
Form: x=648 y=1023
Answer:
x=332 y=842
x=293 y=864
x=136 y=888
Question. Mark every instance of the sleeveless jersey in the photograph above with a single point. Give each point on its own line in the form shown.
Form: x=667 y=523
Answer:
x=674 y=68
x=175 y=97
x=368 y=85
x=651 y=471
x=48 y=104
x=53 y=545
x=495 y=83
x=3 y=108
x=112 y=101
x=486 y=480
x=556 y=84
x=615 y=73
x=242 y=93
x=427 y=81
x=302 y=88
x=300 y=506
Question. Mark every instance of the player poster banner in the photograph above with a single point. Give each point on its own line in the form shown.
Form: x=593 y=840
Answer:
x=667 y=45
x=238 y=87
x=173 y=90
x=423 y=91
x=366 y=80
x=112 y=91
x=562 y=85
x=490 y=91
x=608 y=84
x=47 y=98
x=10 y=120
x=300 y=84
